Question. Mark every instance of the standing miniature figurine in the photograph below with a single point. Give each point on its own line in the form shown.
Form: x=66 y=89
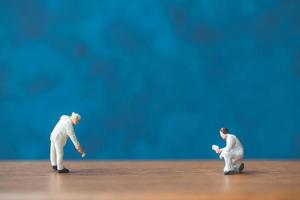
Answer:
x=233 y=153
x=63 y=129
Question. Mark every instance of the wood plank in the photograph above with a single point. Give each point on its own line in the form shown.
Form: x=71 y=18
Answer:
x=149 y=180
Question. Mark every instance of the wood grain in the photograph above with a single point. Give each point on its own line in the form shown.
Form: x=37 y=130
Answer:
x=149 y=180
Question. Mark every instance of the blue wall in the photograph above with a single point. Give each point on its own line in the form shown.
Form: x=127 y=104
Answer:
x=152 y=79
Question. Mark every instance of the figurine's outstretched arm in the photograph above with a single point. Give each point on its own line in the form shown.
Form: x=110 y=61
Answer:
x=71 y=134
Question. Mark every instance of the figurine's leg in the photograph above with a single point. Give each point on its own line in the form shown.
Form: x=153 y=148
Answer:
x=52 y=154
x=236 y=162
x=237 y=158
x=60 y=155
x=228 y=161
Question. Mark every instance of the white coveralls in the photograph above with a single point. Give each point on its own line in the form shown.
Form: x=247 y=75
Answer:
x=63 y=129
x=233 y=153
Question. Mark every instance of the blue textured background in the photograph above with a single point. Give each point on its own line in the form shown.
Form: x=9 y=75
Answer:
x=152 y=79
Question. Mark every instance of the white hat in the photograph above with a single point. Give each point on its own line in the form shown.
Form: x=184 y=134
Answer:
x=75 y=116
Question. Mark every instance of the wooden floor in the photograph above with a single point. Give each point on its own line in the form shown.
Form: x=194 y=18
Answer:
x=149 y=180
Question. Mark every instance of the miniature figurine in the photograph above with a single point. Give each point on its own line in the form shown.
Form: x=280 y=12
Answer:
x=233 y=153
x=63 y=129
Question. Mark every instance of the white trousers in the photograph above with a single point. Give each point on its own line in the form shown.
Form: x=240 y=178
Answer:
x=57 y=154
x=233 y=160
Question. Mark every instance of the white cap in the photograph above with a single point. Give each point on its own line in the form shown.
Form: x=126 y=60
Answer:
x=75 y=116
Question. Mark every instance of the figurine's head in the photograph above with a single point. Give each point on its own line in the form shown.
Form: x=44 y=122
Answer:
x=223 y=133
x=75 y=118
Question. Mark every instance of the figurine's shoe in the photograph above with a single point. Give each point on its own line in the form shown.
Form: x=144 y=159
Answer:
x=241 y=168
x=64 y=170
x=229 y=173
x=54 y=167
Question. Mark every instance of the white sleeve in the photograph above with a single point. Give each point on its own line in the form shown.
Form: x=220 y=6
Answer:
x=229 y=144
x=71 y=134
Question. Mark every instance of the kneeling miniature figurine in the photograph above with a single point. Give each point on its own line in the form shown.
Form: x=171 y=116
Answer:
x=233 y=153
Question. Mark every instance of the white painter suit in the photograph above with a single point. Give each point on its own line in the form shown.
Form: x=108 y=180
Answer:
x=233 y=153
x=63 y=129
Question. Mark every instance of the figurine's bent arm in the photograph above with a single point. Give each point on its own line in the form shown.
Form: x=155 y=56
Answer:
x=229 y=144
